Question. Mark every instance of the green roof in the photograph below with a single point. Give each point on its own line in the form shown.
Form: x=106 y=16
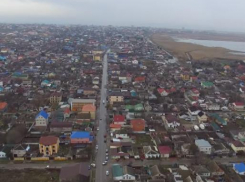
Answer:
x=215 y=126
x=117 y=170
x=218 y=118
x=207 y=84
x=129 y=107
x=137 y=107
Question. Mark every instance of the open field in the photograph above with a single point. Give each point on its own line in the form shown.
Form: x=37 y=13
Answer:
x=29 y=175
x=197 y=52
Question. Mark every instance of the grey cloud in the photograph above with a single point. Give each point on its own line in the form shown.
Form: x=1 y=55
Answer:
x=195 y=14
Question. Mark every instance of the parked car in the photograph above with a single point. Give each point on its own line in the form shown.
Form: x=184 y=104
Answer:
x=107 y=173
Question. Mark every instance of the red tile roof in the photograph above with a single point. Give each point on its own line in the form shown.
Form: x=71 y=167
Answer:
x=119 y=118
x=238 y=103
x=139 y=79
x=164 y=149
x=67 y=110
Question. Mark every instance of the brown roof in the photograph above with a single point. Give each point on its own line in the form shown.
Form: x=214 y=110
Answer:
x=56 y=94
x=60 y=124
x=48 y=140
x=237 y=144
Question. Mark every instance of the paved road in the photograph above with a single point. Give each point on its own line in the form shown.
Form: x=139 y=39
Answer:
x=100 y=156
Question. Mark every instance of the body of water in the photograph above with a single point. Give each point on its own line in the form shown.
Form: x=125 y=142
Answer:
x=235 y=46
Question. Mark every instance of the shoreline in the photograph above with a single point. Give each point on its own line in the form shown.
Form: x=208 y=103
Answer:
x=197 y=52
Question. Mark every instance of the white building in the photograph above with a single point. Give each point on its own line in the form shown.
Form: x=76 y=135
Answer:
x=203 y=146
x=2 y=155
x=41 y=119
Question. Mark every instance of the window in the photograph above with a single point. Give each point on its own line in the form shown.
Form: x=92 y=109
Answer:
x=53 y=150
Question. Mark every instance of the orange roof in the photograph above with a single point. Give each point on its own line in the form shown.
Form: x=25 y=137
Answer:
x=115 y=126
x=89 y=108
x=138 y=124
x=3 y=105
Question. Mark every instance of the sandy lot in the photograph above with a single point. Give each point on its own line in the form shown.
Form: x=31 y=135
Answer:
x=197 y=52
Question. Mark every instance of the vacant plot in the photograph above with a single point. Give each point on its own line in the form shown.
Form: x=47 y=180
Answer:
x=197 y=52
x=29 y=175
x=143 y=140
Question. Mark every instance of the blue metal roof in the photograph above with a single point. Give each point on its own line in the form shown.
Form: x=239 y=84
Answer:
x=43 y=114
x=81 y=134
x=2 y=58
x=45 y=81
x=239 y=167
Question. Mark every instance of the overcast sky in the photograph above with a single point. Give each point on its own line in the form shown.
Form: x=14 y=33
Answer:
x=227 y=15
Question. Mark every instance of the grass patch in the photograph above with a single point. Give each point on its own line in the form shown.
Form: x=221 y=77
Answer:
x=241 y=122
x=63 y=150
x=143 y=140
x=29 y=175
x=4 y=161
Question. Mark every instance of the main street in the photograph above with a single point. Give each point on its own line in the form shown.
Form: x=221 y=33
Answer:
x=101 y=153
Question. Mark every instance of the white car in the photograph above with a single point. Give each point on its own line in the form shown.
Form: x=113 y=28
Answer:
x=93 y=165
x=107 y=173
x=106 y=158
x=98 y=128
x=97 y=147
x=104 y=163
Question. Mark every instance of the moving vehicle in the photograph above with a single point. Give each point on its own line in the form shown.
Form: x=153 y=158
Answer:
x=103 y=101
x=104 y=163
x=97 y=147
x=107 y=173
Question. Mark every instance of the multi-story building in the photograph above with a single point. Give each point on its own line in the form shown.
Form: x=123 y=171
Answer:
x=48 y=145
x=55 y=97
